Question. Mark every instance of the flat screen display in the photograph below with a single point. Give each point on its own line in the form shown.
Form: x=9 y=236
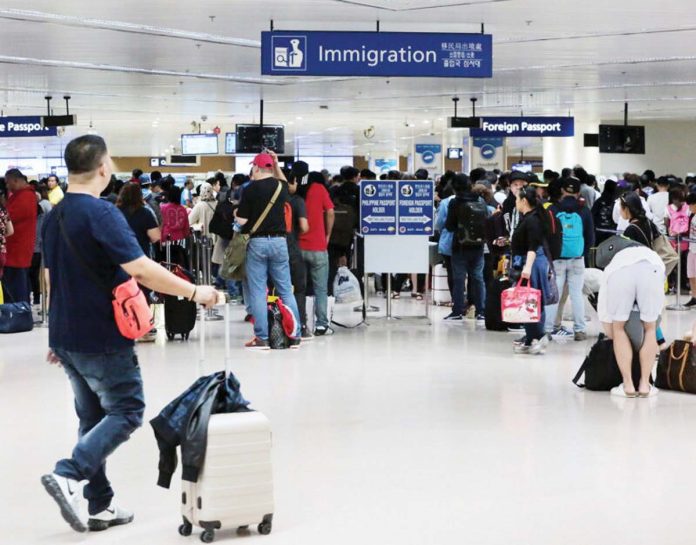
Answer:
x=199 y=144
x=253 y=138
x=230 y=143
x=622 y=139
x=523 y=167
x=454 y=153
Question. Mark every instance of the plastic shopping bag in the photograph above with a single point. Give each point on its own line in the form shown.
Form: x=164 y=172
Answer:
x=346 y=287
x=521 y=304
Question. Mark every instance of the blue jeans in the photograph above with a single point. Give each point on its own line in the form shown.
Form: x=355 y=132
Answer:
x=468 y=261
x=109 y=402
x=15 y=284
x=573 y=272
x=318 y=268
x=268 y=256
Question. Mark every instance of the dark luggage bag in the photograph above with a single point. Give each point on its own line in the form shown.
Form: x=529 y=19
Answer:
x=179 y=316
x=494 y=317
x=676 y=369
x=601 y=370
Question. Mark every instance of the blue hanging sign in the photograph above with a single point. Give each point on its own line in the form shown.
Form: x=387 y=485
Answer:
x=416 y=207
x=526 y=126
x=384 y=54
x=378 y=207
x=12 y=127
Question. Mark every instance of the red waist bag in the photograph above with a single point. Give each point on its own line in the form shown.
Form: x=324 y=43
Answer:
x=131 y=311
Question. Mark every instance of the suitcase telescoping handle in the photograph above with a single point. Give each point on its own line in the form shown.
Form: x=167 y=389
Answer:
x=201 y=363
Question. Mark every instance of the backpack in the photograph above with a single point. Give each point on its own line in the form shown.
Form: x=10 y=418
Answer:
x=175 y=224
x=603 y=218
x=344 y=222
x=471 y=223
x=222 y=220
x=555 y=235
x=678 y=220
x=573 y=238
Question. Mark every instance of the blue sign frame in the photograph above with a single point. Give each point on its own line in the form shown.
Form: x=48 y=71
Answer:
x=416 y=207
x=25 y=126
x=383 y=54
x=378 y=208
x=526 y=126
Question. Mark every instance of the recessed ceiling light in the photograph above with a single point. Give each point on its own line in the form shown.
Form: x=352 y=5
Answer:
x=298 y=118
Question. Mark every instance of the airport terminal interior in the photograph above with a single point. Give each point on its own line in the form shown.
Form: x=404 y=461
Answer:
x=425 y=398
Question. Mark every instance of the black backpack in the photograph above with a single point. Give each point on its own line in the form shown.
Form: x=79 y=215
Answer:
x=601 y=370
x=471 y=223
x=555 y=237
x=344 y=223
x=222 y=220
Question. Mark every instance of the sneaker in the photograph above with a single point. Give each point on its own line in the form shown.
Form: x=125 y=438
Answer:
x=111 y=516
x=520 y=341
x=67 y=493
x=257 y=344
x=521 y=348
x=306 y=334
x=480 y=319
x=320 y=331
x=561 y=334
x=452 y=317
x=539 y=346
x=652 y=393
x=620 y=392
x=691 y=303
x=580 y=336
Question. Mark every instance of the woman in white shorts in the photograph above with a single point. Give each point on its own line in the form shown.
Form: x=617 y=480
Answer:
x=634 y=278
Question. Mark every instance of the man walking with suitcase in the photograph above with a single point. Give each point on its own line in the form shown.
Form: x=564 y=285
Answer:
x=83 y=335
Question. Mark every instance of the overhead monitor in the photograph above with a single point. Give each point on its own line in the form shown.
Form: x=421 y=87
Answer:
x=455 y=153
x=199 y=144
x=230 y=143
x=253 y=138
x=622 y=139
x=523 y=167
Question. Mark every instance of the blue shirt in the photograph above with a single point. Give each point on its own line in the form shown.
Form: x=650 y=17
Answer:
x=81 y=317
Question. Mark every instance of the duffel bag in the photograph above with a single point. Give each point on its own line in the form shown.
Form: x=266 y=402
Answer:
x=16 y=318
x=601 y=370
x=676 y=368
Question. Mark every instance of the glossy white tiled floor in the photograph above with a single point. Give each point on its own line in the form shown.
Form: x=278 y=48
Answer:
x=394 y=434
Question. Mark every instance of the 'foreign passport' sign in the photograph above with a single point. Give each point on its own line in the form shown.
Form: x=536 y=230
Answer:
x=384 y=54
x=18 y=126
x=378 y=207
x=416 y=207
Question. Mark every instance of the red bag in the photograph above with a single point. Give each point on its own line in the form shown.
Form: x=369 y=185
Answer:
x=521 y=304
x=289 y=320
x=131 y=311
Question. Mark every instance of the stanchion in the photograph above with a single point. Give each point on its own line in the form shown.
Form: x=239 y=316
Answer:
x=678 y=305
x=206 y=252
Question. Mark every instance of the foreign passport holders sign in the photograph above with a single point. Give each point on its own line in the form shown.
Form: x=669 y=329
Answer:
x=384 y=54
x=416 y=207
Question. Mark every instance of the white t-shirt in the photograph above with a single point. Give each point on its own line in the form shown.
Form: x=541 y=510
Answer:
x=657 y=202
x=621 y=223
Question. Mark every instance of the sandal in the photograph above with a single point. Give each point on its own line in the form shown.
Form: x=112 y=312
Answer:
x=620 y=392
x=419 y=296
x=396 y=295
x=652 y=393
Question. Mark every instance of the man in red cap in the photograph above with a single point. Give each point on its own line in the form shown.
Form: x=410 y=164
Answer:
x=261 y=214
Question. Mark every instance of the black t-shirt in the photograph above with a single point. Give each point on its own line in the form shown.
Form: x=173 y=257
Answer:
x=141 y=221
x=299 y=210
x=641 y=230
x=255 y=198
x=529 y=234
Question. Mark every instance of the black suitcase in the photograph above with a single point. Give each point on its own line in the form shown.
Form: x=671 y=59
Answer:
x=179 y=317
x=494 y=315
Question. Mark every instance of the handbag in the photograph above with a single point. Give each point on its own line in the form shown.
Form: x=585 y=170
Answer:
x=15 y=317
x=233 y=264
x=521 y=304
x=676 y=368
x=131 y=312
x=667 y=253
x=610 y=247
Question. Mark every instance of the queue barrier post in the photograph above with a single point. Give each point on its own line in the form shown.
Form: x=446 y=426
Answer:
x=678 y=306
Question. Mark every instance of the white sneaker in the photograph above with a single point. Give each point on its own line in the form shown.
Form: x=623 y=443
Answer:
x=539 y=346
x=67 y=493
x=619 y=391
x=111 y=516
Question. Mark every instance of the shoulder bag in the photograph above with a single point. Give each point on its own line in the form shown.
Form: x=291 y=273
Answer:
x=233 y=264
x=661 y=245
x=131 y=312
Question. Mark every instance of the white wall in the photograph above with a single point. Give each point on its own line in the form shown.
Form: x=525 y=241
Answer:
x=670 y=148
x=568 y=152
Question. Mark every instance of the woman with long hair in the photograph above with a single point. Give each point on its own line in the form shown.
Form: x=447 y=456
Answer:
x=635 y=276
x=602 y=212
x=529 y=256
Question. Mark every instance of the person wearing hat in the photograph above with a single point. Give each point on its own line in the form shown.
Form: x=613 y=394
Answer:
x=542 y=188
x=578 y=238
x=267 y=252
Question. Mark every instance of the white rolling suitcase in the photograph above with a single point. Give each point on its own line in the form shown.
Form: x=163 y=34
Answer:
x=440 y=287
x=235 y=485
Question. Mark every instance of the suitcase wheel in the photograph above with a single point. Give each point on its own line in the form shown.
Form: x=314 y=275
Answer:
x=208 y=536
x=185 y=529
x=185 y=336
x=265 y=528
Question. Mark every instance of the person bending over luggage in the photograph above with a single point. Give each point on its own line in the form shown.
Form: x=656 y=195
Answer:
x=84 y=337
x=635 y=276
x=529 y=256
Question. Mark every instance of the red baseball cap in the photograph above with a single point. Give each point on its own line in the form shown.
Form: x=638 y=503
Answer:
x=263 y=160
